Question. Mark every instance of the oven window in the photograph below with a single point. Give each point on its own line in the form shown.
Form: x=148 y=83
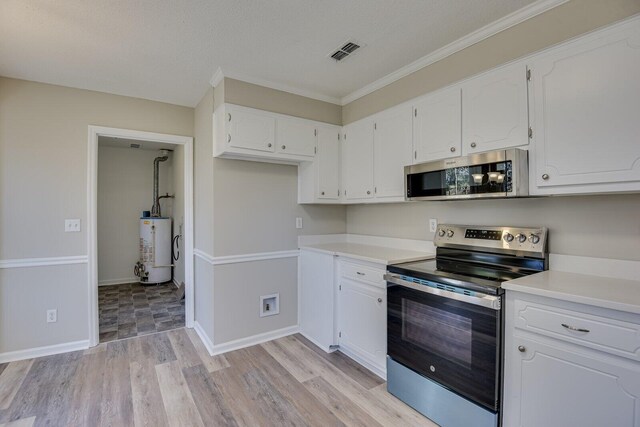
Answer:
x=438 y=331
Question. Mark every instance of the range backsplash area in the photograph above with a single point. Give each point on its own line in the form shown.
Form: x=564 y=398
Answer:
x=602 y=226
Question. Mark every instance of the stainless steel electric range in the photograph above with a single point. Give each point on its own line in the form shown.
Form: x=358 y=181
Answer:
x=445 y=321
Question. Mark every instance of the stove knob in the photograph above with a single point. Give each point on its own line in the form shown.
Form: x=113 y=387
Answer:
x=441 y=232
x=521 y=238
x=534 y=238
x=449 y=233
x=508 y=237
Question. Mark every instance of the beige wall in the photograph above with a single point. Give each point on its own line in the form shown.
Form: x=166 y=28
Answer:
x=552 y=27
x=43 y=180
x=125 y=188
x=251 y=95
x=606 y=226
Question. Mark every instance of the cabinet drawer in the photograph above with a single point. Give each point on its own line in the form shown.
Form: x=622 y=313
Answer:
x=363 y=273
x=602 y=333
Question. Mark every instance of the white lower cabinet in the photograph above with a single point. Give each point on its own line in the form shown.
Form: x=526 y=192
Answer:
x=343 y=301
x=362 y=320
x=317 y=297
x=551 y=379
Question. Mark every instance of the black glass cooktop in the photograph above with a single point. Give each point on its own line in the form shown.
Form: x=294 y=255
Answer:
x=478 y=271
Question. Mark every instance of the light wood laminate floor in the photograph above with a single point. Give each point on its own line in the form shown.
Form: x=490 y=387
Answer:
x=169 y=379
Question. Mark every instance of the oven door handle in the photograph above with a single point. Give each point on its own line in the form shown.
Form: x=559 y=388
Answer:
x=484 y=300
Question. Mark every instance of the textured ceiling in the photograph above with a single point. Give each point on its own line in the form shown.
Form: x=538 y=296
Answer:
x=167 y=50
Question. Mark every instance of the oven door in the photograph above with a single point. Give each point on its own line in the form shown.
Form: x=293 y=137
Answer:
x=449 y=337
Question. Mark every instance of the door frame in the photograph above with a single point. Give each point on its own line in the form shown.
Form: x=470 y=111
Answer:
x=92 y=216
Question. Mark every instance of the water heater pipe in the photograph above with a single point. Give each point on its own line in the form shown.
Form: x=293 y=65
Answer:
x=155 y=209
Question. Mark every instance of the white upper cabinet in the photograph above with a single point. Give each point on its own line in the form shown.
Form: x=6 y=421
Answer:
x=328 y=163
x=357 y=160
x=437 y=126
x=295 y=136
x=252 y=134
x=392 y=151
x=585 y=105
x=494 y=110
x=250 y=129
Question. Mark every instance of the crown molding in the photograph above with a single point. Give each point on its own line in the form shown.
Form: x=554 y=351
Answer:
x=470 y=39
x=217 y=77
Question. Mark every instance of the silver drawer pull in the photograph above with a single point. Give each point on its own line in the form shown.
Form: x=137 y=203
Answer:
x=573 y=328
x=360 y=274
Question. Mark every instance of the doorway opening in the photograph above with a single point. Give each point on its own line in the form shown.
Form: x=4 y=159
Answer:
x=140 y=233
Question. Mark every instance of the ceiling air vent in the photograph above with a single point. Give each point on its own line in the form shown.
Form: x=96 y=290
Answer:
x=347 y=49
x=134 y=145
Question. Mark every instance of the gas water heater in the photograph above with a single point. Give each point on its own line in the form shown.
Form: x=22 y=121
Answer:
x=154 y=265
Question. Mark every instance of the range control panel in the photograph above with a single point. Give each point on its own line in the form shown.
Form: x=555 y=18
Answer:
x=532 y=241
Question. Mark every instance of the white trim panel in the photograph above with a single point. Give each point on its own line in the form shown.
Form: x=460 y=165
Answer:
x=43 y=262
x=203 y=337
x=236 y=259
x=477 y=36
x=218 y=76
x=49 y=350
x=120 y=281
x=253 y=340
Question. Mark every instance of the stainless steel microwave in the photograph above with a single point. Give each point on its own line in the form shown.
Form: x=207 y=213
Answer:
x=494 y=174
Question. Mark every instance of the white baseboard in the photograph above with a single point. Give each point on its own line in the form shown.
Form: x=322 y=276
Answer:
x=381 y=372
x=253 y=340
x=203 y=337
x=121 y=281
x=317 y=344
x=49 y=350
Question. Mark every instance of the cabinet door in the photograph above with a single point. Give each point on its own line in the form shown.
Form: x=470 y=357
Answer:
x=495 y=111
x=316 y=297
x=586 y=105
x=357 y=160
x=547 y=384
x=436 y=126
x=250 y=129
x=328 y=163
x=363 y=321
x=392 y=151
x=296 y=137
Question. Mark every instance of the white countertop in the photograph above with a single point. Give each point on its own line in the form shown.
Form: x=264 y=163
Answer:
x=370 y=253
x=615 y=294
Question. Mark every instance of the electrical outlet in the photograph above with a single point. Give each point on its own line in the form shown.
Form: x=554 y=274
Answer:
x=298 y=222
x=433 y=225
x=71 y=225
x=52 y=316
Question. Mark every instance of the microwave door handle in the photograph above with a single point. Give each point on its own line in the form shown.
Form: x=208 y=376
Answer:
x=488 y=301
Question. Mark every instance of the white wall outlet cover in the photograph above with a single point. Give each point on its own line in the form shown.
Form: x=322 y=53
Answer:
x=52 y=316
x=433 y=225
x=71 y=225
x=298 y=222
x=269 y=305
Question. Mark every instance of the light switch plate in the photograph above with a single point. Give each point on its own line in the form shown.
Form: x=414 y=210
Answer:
x=52 y=316
x=433 y=225
x=298 y=222
x=71 y=225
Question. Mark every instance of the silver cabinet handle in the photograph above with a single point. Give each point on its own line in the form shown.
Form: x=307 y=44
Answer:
x=573 y=328
x=229 y=138
x=322 y=193
x=521 y=349
x=229 y=116
x=379 y=299
x=269 y=145
x=453 y=149
x=473 y=145
x=368 y=192
x=284 y=147
x=360 y=274
x=545 y=176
